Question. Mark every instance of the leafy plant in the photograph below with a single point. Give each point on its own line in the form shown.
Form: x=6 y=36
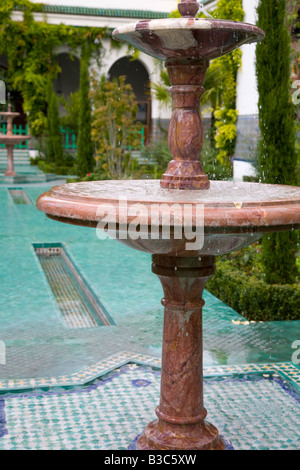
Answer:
x=226 y=67
x=114 y=126
x=252 y=297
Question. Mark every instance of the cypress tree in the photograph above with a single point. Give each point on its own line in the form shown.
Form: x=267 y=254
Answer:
x=85 y=148
x=277 y=155
x=54 y=145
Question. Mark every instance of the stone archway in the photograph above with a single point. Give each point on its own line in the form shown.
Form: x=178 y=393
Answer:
x=138 y=77
x=67 y=81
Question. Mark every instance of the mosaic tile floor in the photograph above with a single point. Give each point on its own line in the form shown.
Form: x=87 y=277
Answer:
x=257 y=410
x=96 y=388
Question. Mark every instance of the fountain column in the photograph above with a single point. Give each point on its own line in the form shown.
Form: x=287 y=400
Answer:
x=185 y=171
x=10 y=171
x=181 y=415
x=10 y=140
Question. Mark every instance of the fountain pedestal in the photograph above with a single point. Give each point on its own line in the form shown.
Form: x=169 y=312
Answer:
x=10 y=160
x=181 y=415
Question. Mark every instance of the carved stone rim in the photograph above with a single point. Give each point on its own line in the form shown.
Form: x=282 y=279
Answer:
x=256 y=33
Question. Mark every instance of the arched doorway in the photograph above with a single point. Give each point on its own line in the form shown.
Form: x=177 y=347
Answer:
x=67 y=81
x=138 y=77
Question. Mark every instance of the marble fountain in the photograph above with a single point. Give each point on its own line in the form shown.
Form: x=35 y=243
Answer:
x=220 y=216
x=10 y=140
x=28 y=173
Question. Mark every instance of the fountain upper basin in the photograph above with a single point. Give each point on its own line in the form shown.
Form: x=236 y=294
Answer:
x=194 y=38
x=13 y=139
x=232 y=215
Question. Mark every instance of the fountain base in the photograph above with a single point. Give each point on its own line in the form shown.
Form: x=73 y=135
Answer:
x=181 y=415
x=160 y=435
x=184 y=175
x=10 y=173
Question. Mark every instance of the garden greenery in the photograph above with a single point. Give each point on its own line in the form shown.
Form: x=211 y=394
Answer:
x=240 y=282
x=114 y=126
x=29 y=46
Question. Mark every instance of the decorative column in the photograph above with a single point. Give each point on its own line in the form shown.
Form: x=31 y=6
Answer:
x=186 y=129
x=181 y=415
x=10 y=171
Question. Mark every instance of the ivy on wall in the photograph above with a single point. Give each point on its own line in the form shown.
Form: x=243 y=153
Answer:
x=29 y=46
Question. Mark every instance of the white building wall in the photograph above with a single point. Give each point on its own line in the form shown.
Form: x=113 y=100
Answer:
x=247 y=95
x=247 y=104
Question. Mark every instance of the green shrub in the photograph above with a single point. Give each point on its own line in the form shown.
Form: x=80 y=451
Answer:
x=252 y=297
x=158 y=152
x=277 y=157
x=66 y=167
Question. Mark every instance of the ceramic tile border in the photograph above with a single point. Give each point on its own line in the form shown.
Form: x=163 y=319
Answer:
x=287 y=370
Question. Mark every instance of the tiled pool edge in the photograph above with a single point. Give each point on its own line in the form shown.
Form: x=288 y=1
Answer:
x=84 y=279
x=287 y=370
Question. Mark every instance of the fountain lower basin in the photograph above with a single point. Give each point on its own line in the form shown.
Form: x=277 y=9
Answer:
x=232 y=215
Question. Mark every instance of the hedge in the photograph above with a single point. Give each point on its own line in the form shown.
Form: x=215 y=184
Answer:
x=252 y=297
